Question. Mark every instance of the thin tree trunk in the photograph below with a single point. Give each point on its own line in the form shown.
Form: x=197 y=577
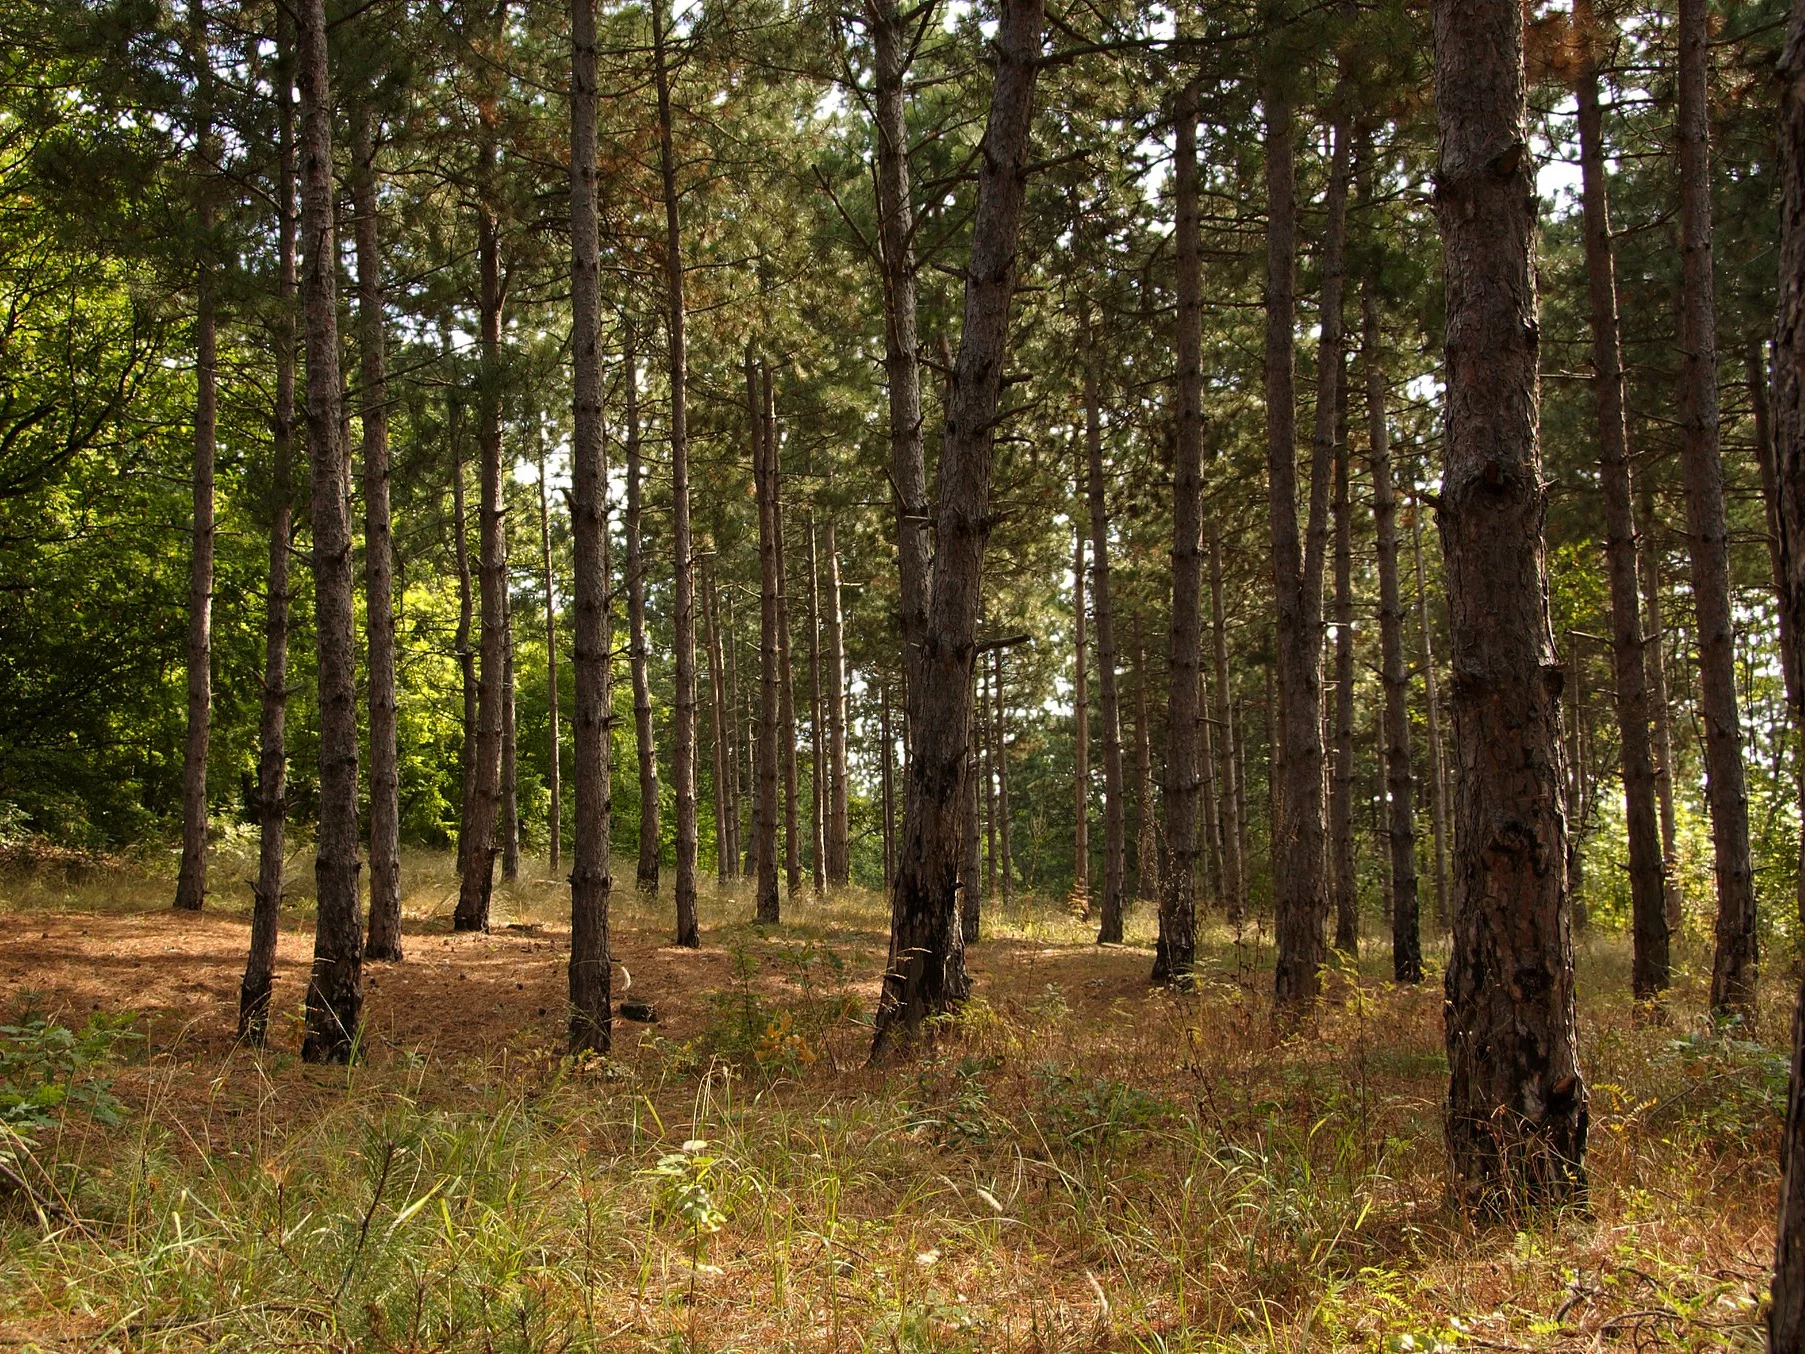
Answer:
x=723 y=754
x=1234 y=850
x=1300 y=892
x=971 y=899
x=1733 y=970
x=590 y=977
x=191 y=878
x=1654 y=651
x=1400 y=788
x=1341 y=798
x=555 y=818
x=817 y=734
x=335 y=986
x=645 y=876
x=786 y=677
x=769 y=702
x=1516 y=1107
x=460 y=527
x=838 y=857
x=1000 y=739
x=384 y=940
x=1114 y=903
x=1648 y=888
x=1081 y=749
x=478 y=883
x=683 y=772
x=510 y=743
x=1176 y=949
x=990 y=789
x=1579 y=798
x=1438 y=764
x=1209 y=877
x=1146 y=849
x=272 y=754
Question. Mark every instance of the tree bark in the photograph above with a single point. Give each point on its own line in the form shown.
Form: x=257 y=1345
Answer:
x=335 y=986
x=478 y=881
x=1114 y=903
x=1234 y=885
x=384 y=939
x=1341 y=798
x=768 y=910
x=191 y=878
x=1146 y=849
x=1648 y=561
x=460 y=527
x=1733 y=969
x=1438 y=763
x=1400 y=788
x=723 y=754
x=817 y=733
x=589 y=975
x=510 y=742
x=1648 y=888
x=1517 y=1108
x=1000 y=739
x=786 y=676
x=555 y=818
x=645 y=875
x=971 y=898
x=1176 y=949
x=1786 y=1314
x=272 y=729
x=683 y=773
x=838 y=856
x=990 y=789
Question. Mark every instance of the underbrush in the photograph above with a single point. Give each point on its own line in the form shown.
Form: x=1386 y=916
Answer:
x=1073 y=1163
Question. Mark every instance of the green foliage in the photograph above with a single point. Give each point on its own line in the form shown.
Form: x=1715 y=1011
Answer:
x=48 y=1069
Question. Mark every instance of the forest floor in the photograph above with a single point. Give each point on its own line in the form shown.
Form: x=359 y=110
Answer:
x=1077 y=1163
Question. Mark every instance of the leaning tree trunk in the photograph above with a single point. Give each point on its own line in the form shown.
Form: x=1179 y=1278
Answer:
x=1786 y=1315
x=555 y=818
x=384 y=940
x=926 y=971
x=1648 y=889
x=1176 y=949
x=768 y=910
x=1516 y=1107
x=1734 y=968
x=1400 y=827
x=191 y=879
x=1114 y=903
x=1234 y=886
x=335 y=987
x=1300 y=893
x=590 y=978
x=272 y=754
x=484 y=810
x=838 y=856
x=645 y=876
x=683 y=606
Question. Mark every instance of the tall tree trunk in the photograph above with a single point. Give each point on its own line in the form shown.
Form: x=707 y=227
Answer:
x=1234 y=848
x=510 y=743
x=1114 y=903
x=555 y=818
x=1400 y=788
x=723 y=754
x=1516 y=1109
x=1300 y=893
x=384 y=940
x=645 y=875
x=1000 y=739
x=272 y=729
x=838 y=857
x=683 y=773
x=478 y=882
x=769 y=701
x=335 y=986
x=1654 y=652
x=1438 y=762
x=590 y=978
x=191 y=878
x=1648 y=889
x=460 y=527
x=1341 y=798
x=1786 y=1315
x=786 y=675
x=1176 y=949
x=817 y=734
x=1734 y=967
x=1146 y=847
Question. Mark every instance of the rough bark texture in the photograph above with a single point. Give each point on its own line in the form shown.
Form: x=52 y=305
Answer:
x=1516 y=1110
x=555 y=815
x=683 y=618
x=925 y=974
x=645 y=874
x=1400 y=789
x=1300 y=893
x=838 y=862
x=335 y=985
x=768 y=910
x=1176 y=949
x=384 y=939
x=1647 y=882
x=484 y=809
x=590 y=978
x=817 y=732
x=1234 y=886
x=272 y=728
x=1734 y=967
x=1786 y=1315
x=1114 y=900
x=191 y=877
